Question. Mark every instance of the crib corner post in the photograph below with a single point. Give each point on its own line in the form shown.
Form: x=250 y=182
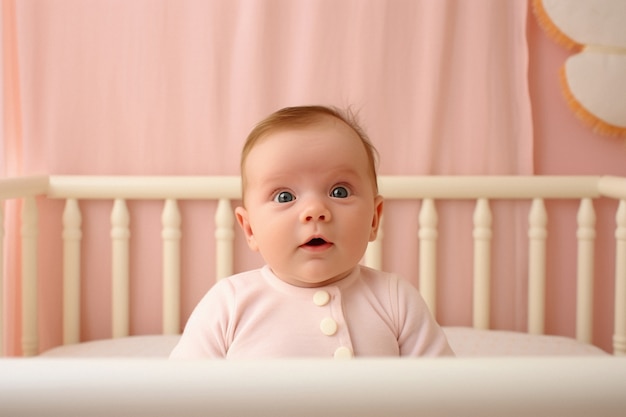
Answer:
x=619 y=334
x=537 y=235
x=2 y=231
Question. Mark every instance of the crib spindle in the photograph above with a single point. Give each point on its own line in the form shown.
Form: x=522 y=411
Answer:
x=374 y=252
x=224 y=238
x=30 y=336
x=586 y=235
x=537 y=234
x=619 y=334
x=171 y=235
x=428 y=235
x=120 y=235
x=482 y=263
x=72 y=236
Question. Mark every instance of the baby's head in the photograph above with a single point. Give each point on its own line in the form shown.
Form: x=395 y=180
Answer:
x=310 y=193
x=302 y=117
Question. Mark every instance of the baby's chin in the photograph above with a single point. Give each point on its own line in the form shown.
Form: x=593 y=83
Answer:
x=311 y=279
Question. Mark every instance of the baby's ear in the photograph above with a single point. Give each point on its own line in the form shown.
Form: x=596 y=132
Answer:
x=378 y=214
x=242 y=218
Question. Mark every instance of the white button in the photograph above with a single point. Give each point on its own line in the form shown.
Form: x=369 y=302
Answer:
x=321 y=298
x=343 y=353
x=328 y=326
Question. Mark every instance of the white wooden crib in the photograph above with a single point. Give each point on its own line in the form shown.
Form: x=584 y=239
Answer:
x=429 y=189
x=475 y=340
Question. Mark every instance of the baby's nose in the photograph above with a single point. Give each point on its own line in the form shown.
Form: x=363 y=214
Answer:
x=315 y=211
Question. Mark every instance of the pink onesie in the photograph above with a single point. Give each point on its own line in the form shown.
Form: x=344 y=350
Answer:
x=256 y=315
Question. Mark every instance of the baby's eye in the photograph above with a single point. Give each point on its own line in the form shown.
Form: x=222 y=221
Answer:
x=339 y=192
x=284 y=197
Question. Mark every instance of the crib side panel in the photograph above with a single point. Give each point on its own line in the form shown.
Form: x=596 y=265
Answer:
x=583 y=190
x=125 y=191
x=429 y=191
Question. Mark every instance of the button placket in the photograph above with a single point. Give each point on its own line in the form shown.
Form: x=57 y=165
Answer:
x=329 y=325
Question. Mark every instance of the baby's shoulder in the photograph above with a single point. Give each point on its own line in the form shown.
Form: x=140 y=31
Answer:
x=393 y=288
x=374 y=275
x=240 y=280
x=381 y=279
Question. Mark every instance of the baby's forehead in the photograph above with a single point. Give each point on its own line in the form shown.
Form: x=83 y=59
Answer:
x=339 y=129
x=342 y=130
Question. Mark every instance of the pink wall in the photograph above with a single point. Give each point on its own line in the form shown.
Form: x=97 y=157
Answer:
x=564 y=145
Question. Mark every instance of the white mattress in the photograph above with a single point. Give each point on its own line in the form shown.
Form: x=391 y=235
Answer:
x=465 y=341
x=149 y=346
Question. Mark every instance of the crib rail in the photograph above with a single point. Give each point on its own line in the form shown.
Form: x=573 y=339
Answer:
x=144 y=187
x=428 y=189
x=555 y=387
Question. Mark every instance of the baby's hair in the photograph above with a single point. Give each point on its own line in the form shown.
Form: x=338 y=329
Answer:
x=303 y=116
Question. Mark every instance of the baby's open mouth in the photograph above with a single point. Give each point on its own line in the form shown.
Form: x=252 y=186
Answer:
x=316 y=242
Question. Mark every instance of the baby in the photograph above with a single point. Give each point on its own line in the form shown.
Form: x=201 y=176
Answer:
x=310 y=207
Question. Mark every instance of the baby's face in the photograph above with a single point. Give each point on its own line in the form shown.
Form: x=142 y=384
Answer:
x=311 y=207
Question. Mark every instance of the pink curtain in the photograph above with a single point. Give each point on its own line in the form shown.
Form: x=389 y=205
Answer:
x=173 y=87
x=10 y=164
